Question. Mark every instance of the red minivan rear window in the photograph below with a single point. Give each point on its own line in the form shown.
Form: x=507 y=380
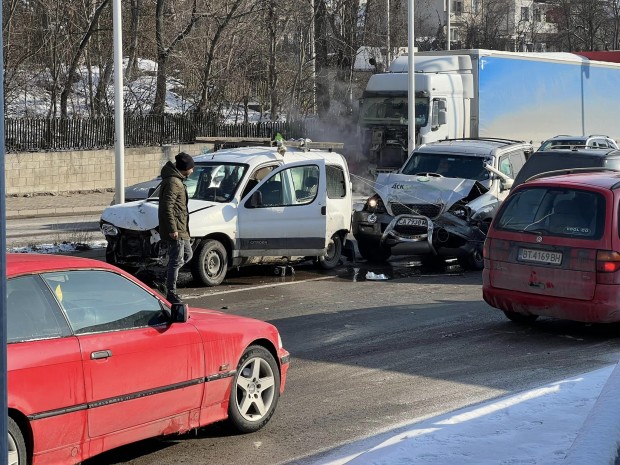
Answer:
x=554 y=211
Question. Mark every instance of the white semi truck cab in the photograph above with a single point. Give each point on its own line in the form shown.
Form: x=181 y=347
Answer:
x=444 y=87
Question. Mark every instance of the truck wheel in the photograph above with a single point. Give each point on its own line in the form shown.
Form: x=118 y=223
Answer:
x=373 y=252
x=210 y=264
x=334 y=251
x=474 y=261
x=16 y=445
x=255 y=391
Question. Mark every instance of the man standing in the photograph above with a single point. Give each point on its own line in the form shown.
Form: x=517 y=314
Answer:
x=174 y=219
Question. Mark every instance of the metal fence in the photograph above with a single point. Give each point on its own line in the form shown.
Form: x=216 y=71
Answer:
x=58 y=134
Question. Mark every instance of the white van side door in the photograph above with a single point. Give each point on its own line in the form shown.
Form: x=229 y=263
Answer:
x=284 y=215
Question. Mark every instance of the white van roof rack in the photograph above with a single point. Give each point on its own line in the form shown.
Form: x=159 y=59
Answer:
x=266 y=142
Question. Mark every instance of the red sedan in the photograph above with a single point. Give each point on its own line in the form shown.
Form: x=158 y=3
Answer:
x=96 y=360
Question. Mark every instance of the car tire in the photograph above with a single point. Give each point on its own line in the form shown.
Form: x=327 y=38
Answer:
x=110 y=256
x=373 y=252
x=520 y=318
x=16 y=446
x=331 y=259
x=210 y=263
x=474 y=261
x=255 y=390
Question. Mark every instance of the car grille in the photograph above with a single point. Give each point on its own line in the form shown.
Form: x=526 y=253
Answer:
x=410 y=230
x=430 y=210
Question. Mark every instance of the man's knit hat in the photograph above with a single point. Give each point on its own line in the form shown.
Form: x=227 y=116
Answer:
x=184 y=161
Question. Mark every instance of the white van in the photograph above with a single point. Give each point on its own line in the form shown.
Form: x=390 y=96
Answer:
x=247 y=206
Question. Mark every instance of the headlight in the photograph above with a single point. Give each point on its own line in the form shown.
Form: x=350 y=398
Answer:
x=460 y=211
x=375 y=205
x=109 y=230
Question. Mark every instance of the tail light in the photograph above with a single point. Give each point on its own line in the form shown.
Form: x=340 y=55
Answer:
x=486 y=248
x=607 y=261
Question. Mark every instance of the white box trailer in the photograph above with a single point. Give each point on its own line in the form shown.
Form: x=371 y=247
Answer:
x=486 y=93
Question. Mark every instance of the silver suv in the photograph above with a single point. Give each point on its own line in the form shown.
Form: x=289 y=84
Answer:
x=593 y=141
x=440 y=202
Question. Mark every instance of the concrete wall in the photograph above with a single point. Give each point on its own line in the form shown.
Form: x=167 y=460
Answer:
x=55 y=172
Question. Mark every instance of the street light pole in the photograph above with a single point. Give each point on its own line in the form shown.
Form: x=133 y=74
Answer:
x=119 y=123
x=448 y=26
x=3 y=308
x=411 y=79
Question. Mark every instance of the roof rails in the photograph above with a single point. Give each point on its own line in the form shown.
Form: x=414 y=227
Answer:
x=219 y=142
x=547 y=174
x=598 y=135
x=489 y=139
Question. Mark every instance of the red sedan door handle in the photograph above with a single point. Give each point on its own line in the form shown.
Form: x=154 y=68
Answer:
x=98 y=355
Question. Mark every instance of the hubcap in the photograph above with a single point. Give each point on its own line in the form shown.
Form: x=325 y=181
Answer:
x=255 y=389
x=213 y=264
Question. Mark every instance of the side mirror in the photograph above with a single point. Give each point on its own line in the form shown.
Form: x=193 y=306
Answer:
x=256 y=200
x=442 y=117
x=180 y=313
x=507 y=183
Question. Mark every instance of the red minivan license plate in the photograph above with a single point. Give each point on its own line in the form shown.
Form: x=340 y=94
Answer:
x=540 y=256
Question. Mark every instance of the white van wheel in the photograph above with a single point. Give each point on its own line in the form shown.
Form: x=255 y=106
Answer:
x=210 y=263
x=331 y=259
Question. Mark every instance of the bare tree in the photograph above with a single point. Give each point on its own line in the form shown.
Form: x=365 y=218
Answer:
x=164 y=51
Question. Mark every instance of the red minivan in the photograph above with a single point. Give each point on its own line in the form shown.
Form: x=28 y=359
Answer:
x=553 y=250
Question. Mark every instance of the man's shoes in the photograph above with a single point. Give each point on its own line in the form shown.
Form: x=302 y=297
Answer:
x=173 y=297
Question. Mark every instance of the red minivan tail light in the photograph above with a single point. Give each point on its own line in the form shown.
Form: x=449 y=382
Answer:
x=607 y=261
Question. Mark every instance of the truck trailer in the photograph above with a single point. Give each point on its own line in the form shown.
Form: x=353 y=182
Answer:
x=487 y=93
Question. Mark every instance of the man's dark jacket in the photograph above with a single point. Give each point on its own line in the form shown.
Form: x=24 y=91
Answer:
x=173 y=213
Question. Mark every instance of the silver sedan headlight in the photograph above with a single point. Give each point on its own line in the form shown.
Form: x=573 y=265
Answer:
x=109 y=230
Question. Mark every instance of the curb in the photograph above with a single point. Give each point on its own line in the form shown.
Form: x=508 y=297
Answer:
x=53 y=212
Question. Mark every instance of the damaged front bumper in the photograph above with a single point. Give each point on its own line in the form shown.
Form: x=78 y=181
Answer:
x=445 y=235
x=132 y=248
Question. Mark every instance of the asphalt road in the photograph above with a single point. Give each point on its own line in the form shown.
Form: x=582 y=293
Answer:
x=369 y=356
x=27 y=231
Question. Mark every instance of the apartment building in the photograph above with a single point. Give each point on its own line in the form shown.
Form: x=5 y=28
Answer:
x=512 y=25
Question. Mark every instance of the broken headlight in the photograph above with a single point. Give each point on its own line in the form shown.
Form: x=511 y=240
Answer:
x=108 y=230
x=374 y=204
x=461 y=211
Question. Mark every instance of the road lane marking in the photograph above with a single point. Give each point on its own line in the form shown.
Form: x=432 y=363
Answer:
x=252 y=288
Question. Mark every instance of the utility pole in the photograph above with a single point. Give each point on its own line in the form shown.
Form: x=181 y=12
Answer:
x=389 y=45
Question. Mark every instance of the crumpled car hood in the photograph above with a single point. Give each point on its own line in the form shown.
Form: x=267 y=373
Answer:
x=142 y=215
x=408 y=189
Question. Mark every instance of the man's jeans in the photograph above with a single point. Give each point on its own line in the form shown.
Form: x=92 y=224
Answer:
x=179 y=253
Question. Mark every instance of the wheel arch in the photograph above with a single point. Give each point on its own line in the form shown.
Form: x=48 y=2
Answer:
x=24 y=425
x=267 y=345
x=222 y=238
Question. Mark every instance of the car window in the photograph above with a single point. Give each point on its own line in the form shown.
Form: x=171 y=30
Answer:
x=297 y=185
x=505 y=167
x=32 y=312
x=554 y=211
x=517 y=160
x=336 y=184
x=256 y=177
x=543 y=162
x=449 y=166
x=98 y=301
x=561 y=144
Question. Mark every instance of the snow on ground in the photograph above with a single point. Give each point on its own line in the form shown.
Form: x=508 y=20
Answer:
x=65 y=247
x=559 y=423
x=33 y=100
